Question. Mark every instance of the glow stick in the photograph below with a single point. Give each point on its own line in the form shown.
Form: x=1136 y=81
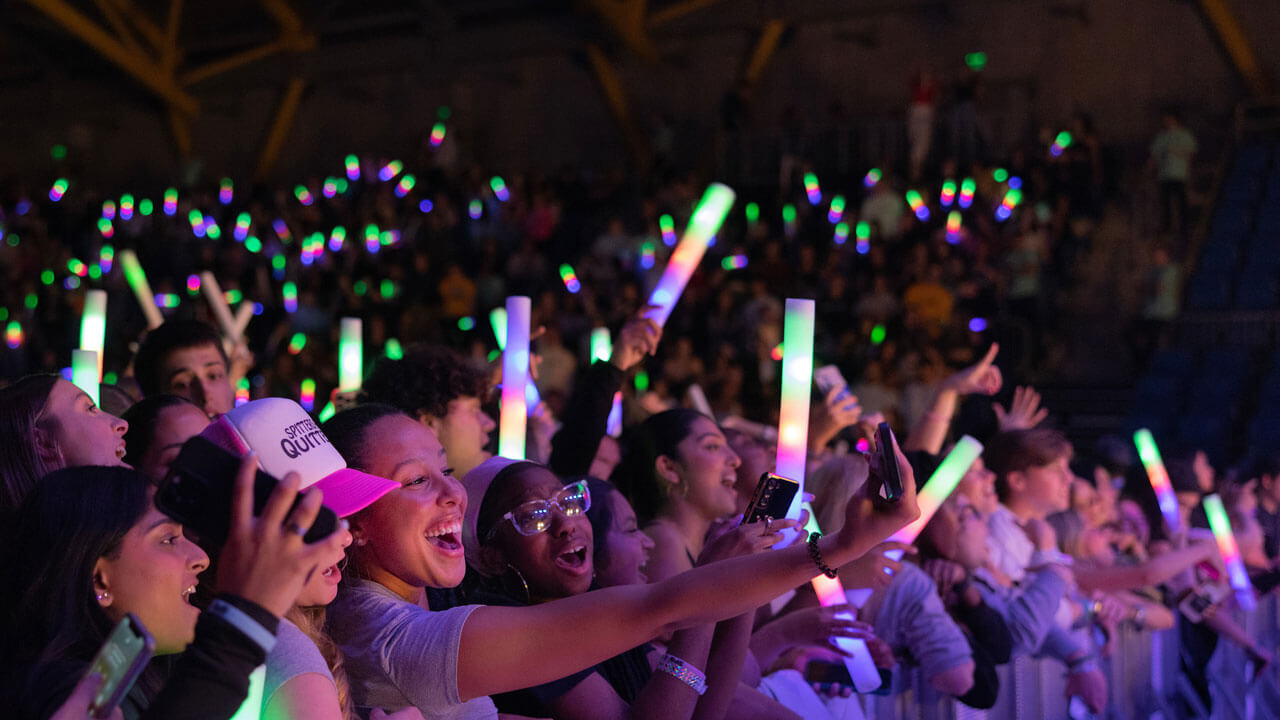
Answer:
x=84 y=372
x=948 y=194
x=290 y=293
x=789 y=220
x=58 y=190
x=226 y=190
x=137 y=280
x=862 y=669
x=836 y=211
x=872 y=178
x=753 y=213
x=296 y=343
x=218 y=303
x=244 y=314
x=841 y=235
x=390 y=170
x=953 y=227
x=569 y=278
x=734 y=262
x=351 y=354
x=1011 y=200
x=1060 y=143
x=706 y=221
x=13 y=335
x=811 y=188
x=242 y=391
x=601 y=344
x=1221 y=527
x=515 y=376
x=614 y=425
x=353 y=167
x=405 y=185
x=668 y=227
x=917 y=205
x=437 y=134
x=698 y=399
x=498 y=321
x=93 y=323
x=308 y=397
x=648 y=255
x=863 y=232
x=251 y=708
x=1158 y=476
x=967 y=188
x=797 y=376
x=499 y=188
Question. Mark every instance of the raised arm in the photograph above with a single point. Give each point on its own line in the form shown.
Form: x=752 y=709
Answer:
x=508 y=648
x=930 y=430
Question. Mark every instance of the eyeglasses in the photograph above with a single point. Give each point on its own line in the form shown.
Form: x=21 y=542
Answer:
x=534 y=516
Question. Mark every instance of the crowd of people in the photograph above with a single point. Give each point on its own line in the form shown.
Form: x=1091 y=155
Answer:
x=608 y=573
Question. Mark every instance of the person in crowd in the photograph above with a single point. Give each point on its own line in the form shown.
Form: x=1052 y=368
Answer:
x=448 y=663
x=186 y=358
x=559 y=562
x=443 y=391
x=1267 y=471
x=158 y=427
x=88 y=547
x=47 y=423
x=1172 y=152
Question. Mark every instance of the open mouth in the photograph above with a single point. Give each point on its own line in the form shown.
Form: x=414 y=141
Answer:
x=574 y=558
x=186 y=594
x=447 y=537
x=120 y=452
x=332 y=574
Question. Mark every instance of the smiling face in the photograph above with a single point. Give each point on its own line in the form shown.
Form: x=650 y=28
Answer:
x=755 y=460
x=627 y=548
x=199 y=374
x=704 y=471
x=81 y=431
x=153 y=576
x=175 y=425
x=556 y=562
x=322 y=585
x=411 y=538
x=1043 y=489
x=959 y=532
x=979 y=486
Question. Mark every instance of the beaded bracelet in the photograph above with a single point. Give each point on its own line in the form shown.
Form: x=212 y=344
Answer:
x=684 y=672
x=816 y=555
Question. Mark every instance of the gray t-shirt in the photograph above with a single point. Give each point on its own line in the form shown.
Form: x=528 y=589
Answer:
x=294 y=654
x=908 y=615
x=398 y=654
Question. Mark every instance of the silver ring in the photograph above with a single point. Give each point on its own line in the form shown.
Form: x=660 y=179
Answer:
x=296 y=529
x=768 y=522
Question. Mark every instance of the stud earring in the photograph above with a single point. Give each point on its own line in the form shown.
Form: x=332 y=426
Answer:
x=104 y=596
x=360 y=542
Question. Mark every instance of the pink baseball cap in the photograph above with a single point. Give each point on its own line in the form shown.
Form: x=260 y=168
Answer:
x=286 y=440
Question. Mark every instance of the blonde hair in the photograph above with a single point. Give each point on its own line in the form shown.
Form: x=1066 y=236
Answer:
x=310 y=620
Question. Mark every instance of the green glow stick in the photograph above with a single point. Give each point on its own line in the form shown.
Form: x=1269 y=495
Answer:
x=498 y=321
x=601 y=344
x=93 y=323
x=1221 y=527
x=705 y=223
x=137 y=280
x=351 y=354
x=84 y=372
x=1158 y=476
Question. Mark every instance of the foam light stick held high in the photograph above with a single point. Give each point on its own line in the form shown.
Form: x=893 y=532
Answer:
x=351 y=354
x=93 y=323
x=513 y=414
x=793 y=442
x=705 y=223
x=1158 y=476
x=1221 y=527
x=601 y=345
x=218 y=304
x=84 y=372
x=137 y=280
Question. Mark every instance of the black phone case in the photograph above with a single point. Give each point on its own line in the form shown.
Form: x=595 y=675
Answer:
x=772 y=498
x=198 y=490
x=891 y=479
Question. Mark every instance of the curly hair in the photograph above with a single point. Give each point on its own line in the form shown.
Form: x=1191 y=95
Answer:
x=426 y=380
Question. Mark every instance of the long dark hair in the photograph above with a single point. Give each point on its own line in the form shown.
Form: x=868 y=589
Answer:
x=636 y=475
x=143 y=418
x=69 y=520
x=22 y=408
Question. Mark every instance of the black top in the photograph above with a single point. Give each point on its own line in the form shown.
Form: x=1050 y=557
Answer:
x=585 y=419
x=991 y=644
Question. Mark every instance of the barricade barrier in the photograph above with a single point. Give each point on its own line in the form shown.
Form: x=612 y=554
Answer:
x=1143 y=681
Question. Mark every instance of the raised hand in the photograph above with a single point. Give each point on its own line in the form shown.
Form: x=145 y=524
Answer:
x=981 y=378
x=832 y=415
x=728 y=539
x=870 y=520
x=638 y=337
x=874 y=570
x=1024 y=410
x=265 y=560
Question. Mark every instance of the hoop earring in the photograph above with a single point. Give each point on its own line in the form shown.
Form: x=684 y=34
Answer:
x=524 y=586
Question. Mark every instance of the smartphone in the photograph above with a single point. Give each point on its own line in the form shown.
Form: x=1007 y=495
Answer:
x=828 y=377
x=771 y=499
x=886 y=461
x=119 y=662
x=198 y=490
x=828 y=676
x=1199 y=599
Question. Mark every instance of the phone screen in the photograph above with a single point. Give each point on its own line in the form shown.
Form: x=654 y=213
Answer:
x=119 y=662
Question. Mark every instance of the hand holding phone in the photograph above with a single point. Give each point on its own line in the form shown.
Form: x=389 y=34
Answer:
x=771 y=499
x=199 y=488
x=118 y=663
x=884 y=465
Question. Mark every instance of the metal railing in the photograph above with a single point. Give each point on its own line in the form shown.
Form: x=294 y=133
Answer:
x=1143 y=682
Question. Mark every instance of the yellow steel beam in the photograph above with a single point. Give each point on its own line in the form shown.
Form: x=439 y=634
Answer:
x=616 y=98
x=280 y=126
x=139 y=66
x=180 y=126
x=295 y=43
x=117 y=23
x=676 y=11
x=1232 y=37
x=169 y=54
x=143 y=24
x=764 y=48
x=284 y=15
x=627 y=19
